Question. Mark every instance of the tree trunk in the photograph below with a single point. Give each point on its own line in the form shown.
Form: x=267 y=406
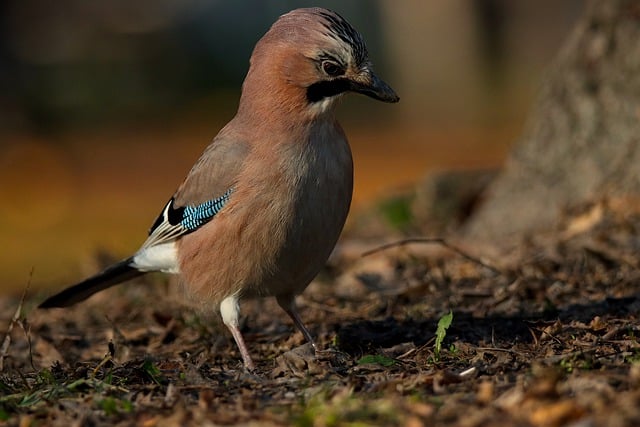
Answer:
x=581 y=142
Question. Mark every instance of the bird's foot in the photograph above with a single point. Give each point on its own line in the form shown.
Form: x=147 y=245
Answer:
x=307 y=359
x=300 y=361
x=334 y=357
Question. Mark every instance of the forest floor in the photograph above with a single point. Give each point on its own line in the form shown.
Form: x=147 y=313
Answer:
x=543 y=334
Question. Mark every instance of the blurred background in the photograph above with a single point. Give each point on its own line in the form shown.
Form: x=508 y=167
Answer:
x=104 y=106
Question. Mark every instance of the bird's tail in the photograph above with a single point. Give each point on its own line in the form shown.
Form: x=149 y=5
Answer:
x=111 y=276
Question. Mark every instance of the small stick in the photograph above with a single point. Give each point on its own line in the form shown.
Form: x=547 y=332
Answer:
x=434 y=240
x=4 y=350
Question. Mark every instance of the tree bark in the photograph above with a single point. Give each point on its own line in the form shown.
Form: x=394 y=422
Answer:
x=581 y=142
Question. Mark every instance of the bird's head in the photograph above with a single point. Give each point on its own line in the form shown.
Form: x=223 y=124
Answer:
x=309 y=58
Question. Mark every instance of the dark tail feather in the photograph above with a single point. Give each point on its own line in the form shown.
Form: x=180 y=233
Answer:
x=111 y=276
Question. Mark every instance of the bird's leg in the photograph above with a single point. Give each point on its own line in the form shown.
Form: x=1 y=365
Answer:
x=288 y=304
x=229 y=310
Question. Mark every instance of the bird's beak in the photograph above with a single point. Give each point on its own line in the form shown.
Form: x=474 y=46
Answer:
x=371 y=85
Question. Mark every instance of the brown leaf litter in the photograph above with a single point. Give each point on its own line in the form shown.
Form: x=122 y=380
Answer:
x=544 y=335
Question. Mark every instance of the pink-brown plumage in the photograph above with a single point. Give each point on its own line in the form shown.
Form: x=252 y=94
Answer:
x=261 y=210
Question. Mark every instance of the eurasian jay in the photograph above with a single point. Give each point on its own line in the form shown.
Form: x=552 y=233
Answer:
x=261 y=210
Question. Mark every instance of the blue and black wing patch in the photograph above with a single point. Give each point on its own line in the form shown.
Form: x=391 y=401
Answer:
x=196 y=216
x=177 y=221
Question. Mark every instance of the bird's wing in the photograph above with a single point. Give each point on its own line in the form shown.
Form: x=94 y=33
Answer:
x=175 y=221
x=207 y=188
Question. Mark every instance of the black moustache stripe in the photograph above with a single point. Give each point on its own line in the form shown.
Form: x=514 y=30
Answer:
x=326 y=89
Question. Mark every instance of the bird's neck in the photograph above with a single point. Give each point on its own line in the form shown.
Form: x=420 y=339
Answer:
x=270 y=100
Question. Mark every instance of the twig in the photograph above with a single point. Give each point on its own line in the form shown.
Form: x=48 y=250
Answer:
x=26 y=328
x=106 y=359
x=433 y=240
x=7 y=338
x=4 y=350
x=502 y=350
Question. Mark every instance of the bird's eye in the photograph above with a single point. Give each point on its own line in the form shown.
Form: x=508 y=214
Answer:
x=332 y=69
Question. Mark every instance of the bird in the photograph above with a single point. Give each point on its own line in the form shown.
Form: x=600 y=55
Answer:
x=261 y=210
